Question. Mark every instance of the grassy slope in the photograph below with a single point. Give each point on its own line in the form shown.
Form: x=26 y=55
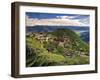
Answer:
x=43 y=56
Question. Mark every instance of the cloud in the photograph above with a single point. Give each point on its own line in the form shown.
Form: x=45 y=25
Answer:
x=66 y=17
x=59 y=21
x=85 y=20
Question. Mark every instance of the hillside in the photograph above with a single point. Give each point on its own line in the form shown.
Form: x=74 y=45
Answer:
x=59 y=47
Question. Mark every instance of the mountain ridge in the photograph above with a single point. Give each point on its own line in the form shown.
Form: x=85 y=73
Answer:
x=52 y=28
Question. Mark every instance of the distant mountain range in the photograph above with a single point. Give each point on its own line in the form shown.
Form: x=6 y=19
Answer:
x=85 y=36
x=84 y=31
x=52 y=28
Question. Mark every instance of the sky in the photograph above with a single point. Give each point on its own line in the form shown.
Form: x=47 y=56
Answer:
x=52 y=19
